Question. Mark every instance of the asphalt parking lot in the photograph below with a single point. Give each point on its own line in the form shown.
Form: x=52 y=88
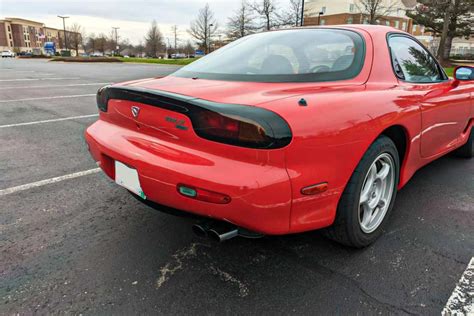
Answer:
x=84 y=245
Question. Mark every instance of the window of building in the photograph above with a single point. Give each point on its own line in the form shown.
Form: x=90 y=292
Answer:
x=323 y=9
x=366 y=21
x=414 y=27
x=397 y=24
x=9 y=29
x=387 y=23
x=10 y=35
x=351 y=7
x=412 y=62
x=350 y=20
x=323 y=22
x=11 y=43
x=404 y=26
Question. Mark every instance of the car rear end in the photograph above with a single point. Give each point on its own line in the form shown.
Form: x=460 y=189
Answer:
x=222 y=161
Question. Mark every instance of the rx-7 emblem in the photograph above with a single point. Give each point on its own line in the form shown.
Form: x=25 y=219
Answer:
x=135 y=111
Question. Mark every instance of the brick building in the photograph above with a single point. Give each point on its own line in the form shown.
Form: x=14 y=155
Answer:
x=348 y=12
x=21 y=35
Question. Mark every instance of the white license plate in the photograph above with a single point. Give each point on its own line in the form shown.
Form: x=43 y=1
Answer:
x=128 y=178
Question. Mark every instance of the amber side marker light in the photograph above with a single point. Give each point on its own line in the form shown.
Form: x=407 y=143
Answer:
x=315 y=189
x=202 y=194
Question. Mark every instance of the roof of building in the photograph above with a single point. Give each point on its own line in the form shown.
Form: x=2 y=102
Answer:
x=13 y=19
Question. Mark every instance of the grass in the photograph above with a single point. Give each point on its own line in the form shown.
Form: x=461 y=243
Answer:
x=449 y=71
x=184 y=61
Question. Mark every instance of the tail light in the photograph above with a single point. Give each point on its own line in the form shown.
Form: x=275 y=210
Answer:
x=233 y=124
x=102 y=98
x=232 y=130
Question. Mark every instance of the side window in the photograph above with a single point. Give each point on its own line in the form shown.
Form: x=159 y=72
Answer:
x=412 y=62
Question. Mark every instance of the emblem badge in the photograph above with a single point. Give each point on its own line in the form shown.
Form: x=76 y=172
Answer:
x=135 y=111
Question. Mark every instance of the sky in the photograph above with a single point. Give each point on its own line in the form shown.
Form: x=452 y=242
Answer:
x=132 y=16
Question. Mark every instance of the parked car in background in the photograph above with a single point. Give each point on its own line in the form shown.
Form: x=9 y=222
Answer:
x=8 y=53
x=259 y=137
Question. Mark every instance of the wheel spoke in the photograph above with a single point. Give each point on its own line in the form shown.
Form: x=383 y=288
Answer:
x=366 y=216
x=384 y=171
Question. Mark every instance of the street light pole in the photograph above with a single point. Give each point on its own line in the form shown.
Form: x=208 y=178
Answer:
x=64 y=27
x=116 y=38
x=209 y=38
x=302 y=13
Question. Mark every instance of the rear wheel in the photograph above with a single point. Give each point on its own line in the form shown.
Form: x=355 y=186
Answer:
x=467 y=150
x=368 y=197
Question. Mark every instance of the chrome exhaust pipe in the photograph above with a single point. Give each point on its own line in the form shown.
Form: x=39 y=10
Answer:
x=201 y=229
x=222 y=231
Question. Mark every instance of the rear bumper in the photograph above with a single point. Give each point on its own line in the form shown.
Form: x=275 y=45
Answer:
x=260 y=193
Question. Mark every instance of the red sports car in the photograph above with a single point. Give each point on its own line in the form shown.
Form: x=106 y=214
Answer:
x=287 y=131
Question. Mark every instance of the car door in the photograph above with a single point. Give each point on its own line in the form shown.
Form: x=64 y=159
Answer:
x=445 y=106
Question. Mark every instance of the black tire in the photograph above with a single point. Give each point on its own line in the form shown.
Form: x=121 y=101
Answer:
x=467 y=150
x=346 y=228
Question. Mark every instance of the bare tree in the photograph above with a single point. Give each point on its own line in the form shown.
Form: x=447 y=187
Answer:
x=140 y=49
x=267 y=10
x=292 y=16
x=101 y=43
x=203 y=27
x=75 y=37
x=91 y=43
x=376 y=9
x=241 y=23
x=188 y=49
x=153 y=40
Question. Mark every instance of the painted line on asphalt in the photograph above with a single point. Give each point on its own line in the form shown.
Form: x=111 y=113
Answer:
x=50 y=98
x=38 y=79
x=54 y=86
x=461 y=301
x=48 y=181
x=50 y=121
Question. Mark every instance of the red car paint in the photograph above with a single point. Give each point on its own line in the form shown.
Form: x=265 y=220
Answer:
x=330 y=136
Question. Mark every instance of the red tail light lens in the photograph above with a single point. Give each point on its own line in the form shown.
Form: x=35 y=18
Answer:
x=236 y=130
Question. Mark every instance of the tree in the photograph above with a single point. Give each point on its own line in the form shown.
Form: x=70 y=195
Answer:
x=153 y=40
x=188 y=49
x=446 y=18
x=376 y=9
x=293 y=14
x=101 y=43
x=75 y=37
x=91 y=43
x=267 y=10
x=203 y=27
x=241 y=24
x=140 y=49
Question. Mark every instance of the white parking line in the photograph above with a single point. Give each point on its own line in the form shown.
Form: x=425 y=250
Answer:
x=48 y=98
x=48 y=181
x=49 y=121
x=36 y=79
x=461 y=301
x=54 y=86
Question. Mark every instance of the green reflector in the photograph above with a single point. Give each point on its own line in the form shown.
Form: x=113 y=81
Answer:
x=187 y=191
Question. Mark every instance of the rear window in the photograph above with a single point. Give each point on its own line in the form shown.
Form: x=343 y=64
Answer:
x=300 y=55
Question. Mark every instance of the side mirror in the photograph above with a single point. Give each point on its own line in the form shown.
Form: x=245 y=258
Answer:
x=463 y=73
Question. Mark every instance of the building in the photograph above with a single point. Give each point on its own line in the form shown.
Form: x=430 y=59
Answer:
x=348 y=12
x=21 y=35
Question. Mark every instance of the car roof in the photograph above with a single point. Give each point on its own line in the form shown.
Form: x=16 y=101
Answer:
x=369 y=28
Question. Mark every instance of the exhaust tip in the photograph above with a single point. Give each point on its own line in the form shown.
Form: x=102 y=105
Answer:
x=199 y=230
